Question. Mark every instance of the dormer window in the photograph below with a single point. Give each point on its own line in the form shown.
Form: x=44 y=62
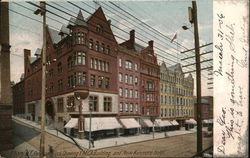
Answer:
x=99 y=28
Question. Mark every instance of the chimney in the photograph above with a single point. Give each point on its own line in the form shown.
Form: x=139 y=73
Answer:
x=26 y=57
x=132 y=36
x=151 y=43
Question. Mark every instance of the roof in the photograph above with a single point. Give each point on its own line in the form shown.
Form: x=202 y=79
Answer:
x=38 y=52
x=138 y=47
x=54 y=34
x=175 y=67
x=80 y=20
x=32 y=59
x=64 y=30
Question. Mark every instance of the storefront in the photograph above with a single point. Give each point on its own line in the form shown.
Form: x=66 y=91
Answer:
x=175 y=126
x=130 y=125
x=147 y=126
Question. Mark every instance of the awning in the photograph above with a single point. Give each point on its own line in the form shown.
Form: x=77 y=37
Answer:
x=167 y=123
x=147 y=123
x=101 y=123
x=208 y=121
x=130 y=123
x=161 y=123
x=190 y=121
x=174 y=122
x=73 y=123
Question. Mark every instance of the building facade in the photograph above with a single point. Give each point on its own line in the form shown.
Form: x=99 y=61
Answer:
x=177 y=100
x=79 y=58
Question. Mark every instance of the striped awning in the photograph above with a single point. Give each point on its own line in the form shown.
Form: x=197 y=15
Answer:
x=147 y=123
x=73 y=123
x=174 y=122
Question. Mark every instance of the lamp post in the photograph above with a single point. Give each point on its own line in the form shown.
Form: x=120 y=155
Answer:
x=80 y=95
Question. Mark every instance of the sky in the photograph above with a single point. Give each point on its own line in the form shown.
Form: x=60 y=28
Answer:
x=165 y=18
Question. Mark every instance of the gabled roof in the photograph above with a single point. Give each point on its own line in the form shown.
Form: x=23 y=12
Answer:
x=164 y=66
x=189 y=76
x=54 y=35
x=175 y=68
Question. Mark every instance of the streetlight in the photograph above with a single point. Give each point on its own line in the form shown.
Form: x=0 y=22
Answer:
x=80 y=95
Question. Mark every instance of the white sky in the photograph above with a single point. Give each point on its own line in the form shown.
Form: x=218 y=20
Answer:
x=165 y=16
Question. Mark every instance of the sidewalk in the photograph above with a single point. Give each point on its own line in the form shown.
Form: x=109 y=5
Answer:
x=107 y=142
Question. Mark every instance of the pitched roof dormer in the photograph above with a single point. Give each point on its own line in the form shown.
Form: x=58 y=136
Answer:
x=80 y=19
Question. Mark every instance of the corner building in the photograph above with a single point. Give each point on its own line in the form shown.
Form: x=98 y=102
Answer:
x=80 y=58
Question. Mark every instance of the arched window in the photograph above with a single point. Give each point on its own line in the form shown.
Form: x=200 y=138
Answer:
x=108 y=49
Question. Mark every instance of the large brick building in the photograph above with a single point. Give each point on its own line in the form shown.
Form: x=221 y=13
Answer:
x=122 y=80
x=177 y=100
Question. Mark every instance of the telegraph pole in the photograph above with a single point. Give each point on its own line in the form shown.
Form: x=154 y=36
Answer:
x=198 y=78
x=42 y=11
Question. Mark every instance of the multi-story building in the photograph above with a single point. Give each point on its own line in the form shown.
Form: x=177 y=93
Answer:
x=121 y=81
x=18 y=95
x=129 y=79
x=79 y=59
x=177 y=100
x=207 y=108
x=150 y=83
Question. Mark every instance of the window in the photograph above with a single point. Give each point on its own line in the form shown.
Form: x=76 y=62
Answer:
x=71 y=103
x=131 y=107
x=161 y=99
x=80 y=58
x=136 y=108
x=97 y=46
x=92 y=80
x=120 y=77
x=120 y=92
x=107 y=67
x=131 y=79
x=71 y=81
x=107 y=82
x=126 y=78
x=136 y=81
x=126 y=92
x=59 y=68
x=60 y=105
x=128 y=65
x=99 y=28
x=108 y=49
x=60 y=120
x=80 y=38
x=70 y=62
x=107 y=104
x=126 y=107
x=121 y=107
x=131 y=93
x=100 y=78
x=81 y=78
x=120 y=62
x=99 y=65
x=90 y=44
x=93 y=103
x=136 y=94
x=136 y=67
x=150 y=85
x=60 y=85
x=102 y=48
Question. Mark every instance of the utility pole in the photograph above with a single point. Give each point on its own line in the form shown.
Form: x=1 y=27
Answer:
x=42 y=11
x=198 y=78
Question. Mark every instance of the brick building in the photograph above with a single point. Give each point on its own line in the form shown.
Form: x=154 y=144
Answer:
x=177 y=100
x=18 y=93
x=121 y=80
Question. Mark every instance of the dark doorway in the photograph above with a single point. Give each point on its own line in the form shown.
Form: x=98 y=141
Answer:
x=50 y=109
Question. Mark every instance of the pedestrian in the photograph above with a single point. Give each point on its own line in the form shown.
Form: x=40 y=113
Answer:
x=93 y=141
x=166 y=135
